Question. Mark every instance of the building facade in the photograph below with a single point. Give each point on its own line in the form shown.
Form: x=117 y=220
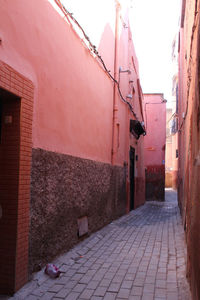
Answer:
x=71 y=152
x=174 y=118
x=154 y=146
x=168 y=151
x=189 y=137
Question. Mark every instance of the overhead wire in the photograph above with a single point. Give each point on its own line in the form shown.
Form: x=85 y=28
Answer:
x=93 y=48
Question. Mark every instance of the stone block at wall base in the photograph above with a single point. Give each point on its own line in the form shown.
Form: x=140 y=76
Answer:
x=63 y=189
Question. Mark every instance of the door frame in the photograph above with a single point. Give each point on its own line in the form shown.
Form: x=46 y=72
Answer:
x=132 y=177
x=17 y=84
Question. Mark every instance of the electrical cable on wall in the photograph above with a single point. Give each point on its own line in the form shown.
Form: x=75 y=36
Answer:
x=94 y=50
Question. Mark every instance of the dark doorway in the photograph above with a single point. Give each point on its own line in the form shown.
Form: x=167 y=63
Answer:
x=132 y=177
x=9 y=179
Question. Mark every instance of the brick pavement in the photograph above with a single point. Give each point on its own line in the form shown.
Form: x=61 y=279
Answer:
x=140 y=256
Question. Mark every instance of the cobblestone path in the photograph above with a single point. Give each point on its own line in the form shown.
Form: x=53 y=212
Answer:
x=140 y=256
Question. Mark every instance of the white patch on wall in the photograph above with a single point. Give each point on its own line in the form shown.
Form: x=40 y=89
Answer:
x=82 y=226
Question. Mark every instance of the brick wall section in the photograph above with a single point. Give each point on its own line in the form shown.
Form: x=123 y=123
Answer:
x=9 y=167
x=18 y=85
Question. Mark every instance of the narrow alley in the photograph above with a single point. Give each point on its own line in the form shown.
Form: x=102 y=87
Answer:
x=140 y=256
x=99 y=113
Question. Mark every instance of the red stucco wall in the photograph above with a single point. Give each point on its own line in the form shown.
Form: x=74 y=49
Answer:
x=189 y=138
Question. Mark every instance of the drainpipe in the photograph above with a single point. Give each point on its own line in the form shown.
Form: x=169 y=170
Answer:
x=115 y=90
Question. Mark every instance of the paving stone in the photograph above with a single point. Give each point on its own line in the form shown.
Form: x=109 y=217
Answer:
x=172 y=296
x=163 y=276
x=98 y=276
x=140 y=256
x=105 y=282
x=72 y=296
x=76 y=277
x=121 y=272
x=130 y=277
x=147 y=296
x=63 y=293
x=150 y=279
x=55 y=288
x=70 y=272
x=118 y=279
x=161 y=284
x=86 y=294
x=90 y=273
x=70 y=284
x=172 y=286
x=110 y=296
x=123 y=293
x=92 y=285
x=39 y=292
x=109 y=275
x=85 y=279
x=138 y=282
x=137 y=291
x=114 y=287
x=134 y=298
x=160 y=293
x=62 y=280
x=32 y=297
x=127 y=284
x=47 y=296
x=79 y=288
x=100 y=291
x=82 y=270
x=148 y=288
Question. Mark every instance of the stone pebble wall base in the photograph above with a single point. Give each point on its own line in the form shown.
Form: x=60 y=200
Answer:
x=63 y=189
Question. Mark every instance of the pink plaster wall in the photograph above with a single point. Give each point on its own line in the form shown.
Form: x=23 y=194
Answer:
x=154 y=146
x=129 y=86
x=168 y=157
x=155 y=120
x=73 y=106
x=73 y=96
